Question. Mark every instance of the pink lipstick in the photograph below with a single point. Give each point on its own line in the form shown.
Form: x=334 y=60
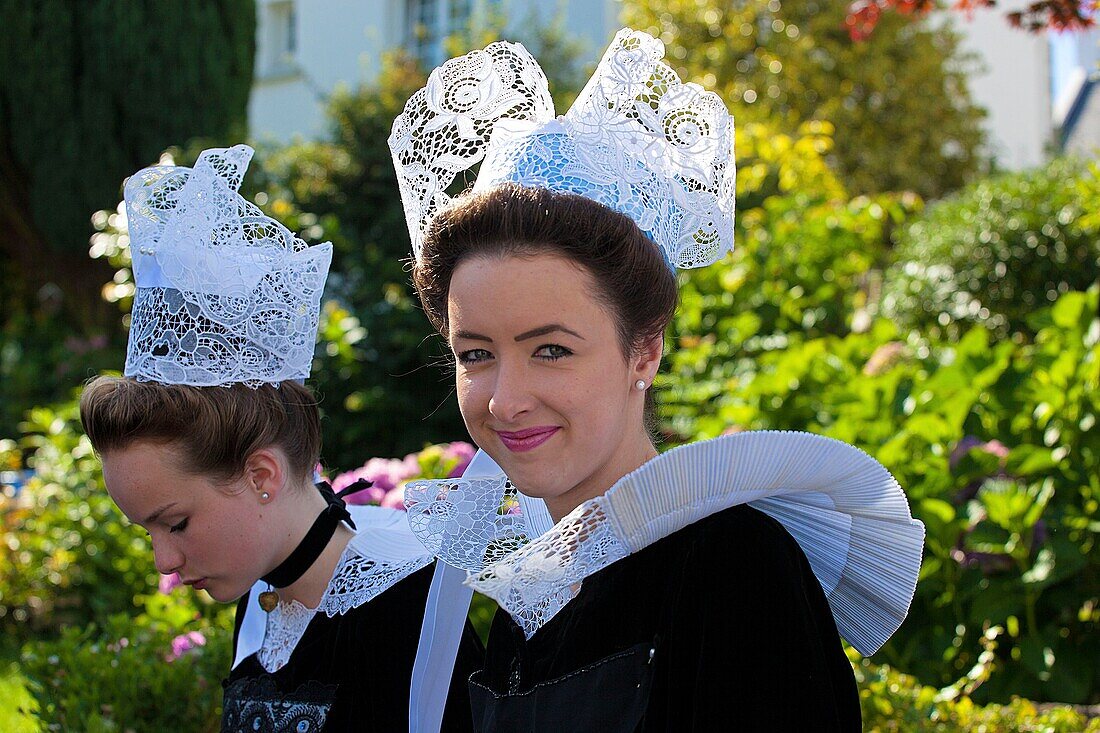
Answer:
x=521 y=441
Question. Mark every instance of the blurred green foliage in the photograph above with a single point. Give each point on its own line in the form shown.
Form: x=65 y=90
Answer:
x=42 y=357
x=899 y=102
x=893 y=702
x=124 y=75
x=69 y=557
x=157 y=671
x=804 y=265
x=997 y=250
x=1011 y=539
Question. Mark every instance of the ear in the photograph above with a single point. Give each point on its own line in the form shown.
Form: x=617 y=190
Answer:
x=265 y=472
x=647 y=360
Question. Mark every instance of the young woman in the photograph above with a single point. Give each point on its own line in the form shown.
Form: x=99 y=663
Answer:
x=209 y=442
x=697 y=590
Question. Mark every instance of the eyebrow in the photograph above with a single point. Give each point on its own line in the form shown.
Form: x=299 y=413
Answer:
x=156 y=515
x=534 y=332
x=548 y=328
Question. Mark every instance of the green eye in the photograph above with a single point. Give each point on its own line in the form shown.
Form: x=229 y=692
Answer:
x=473 y=356
x=552 y=352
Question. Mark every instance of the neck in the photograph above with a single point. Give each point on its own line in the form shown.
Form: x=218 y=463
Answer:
x=631 y=455
x=310 y=588
x=301 y=513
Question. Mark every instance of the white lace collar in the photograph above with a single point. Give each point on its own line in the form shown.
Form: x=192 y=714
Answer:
x=843 y=508
x=382 y=552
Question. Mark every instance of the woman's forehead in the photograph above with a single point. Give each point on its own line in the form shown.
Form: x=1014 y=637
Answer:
x=509 y=292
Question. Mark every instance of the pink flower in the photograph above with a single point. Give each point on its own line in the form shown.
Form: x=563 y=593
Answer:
x=395 y=499
x=168 y=583
x=464 y=452
x=992 y=447
x=884 y=358
x=185 y=643
x=370 y=495
x=385 y=473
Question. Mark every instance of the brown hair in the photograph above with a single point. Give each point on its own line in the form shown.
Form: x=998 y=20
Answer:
x=215 y=428
x=631 y=275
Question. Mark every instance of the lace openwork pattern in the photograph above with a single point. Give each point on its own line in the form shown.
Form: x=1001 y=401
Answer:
x=470 y=522
x=638 y=140
x=225 y=294
x=445 y=127
x=357 y=580
x=535 y=582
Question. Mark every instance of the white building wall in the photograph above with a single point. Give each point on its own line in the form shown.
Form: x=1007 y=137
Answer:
x=1014 y=85
x=341 y=42
x=337 y=41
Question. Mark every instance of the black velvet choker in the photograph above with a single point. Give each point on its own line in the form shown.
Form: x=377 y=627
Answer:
x=318 y=536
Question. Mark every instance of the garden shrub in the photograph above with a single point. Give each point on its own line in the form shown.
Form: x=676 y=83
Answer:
x=996 y=446
x=998 y=250
x=70 y=557
x=157 y=671
x=893 y=702
x=803 y=266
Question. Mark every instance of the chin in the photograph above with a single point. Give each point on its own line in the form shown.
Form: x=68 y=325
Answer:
x=536 y=484
x=537 y=476
x=221 y=594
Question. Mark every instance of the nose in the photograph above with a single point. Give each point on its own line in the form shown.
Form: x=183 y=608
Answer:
x=512 y=395
x=166 y=556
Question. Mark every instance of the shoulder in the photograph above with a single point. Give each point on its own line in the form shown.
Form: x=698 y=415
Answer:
x=738 y=533
x=737 y=561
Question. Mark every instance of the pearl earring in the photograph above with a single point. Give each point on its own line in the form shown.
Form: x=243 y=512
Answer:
x=640 y=384
x=265 y=496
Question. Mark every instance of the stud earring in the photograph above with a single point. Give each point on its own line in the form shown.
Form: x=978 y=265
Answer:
x=640 y=384
x=265 y=496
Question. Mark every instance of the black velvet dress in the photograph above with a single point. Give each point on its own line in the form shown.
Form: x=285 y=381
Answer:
x=350 y=672
x=721 y=626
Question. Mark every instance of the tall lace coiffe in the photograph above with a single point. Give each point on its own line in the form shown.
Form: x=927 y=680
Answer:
x=225 y=294
x=637 y=140
x=642 y=142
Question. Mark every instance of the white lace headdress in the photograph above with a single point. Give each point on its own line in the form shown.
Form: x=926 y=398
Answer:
x=637 y=140
x=225 y=294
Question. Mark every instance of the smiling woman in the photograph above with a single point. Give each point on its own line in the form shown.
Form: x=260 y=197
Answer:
x=210 y=442
x=495 y=272
x=698 y=590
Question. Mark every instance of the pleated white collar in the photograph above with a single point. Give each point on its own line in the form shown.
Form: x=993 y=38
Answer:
x=844 y=509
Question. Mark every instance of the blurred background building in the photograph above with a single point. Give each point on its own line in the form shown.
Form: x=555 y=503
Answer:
x=305 y=48
x=1037 y=88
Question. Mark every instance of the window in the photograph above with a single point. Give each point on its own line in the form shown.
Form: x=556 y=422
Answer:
x=278 y=39
x=430 y=22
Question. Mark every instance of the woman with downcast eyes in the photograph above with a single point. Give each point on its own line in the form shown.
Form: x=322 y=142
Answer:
x=210 y=442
